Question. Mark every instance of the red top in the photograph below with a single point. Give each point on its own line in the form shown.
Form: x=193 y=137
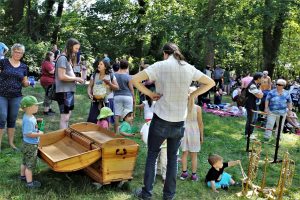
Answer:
x=47 y=78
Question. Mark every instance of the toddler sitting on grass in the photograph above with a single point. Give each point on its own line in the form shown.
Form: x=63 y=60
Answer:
x=216 y=177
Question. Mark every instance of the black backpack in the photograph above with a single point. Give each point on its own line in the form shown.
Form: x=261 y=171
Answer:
x=242 y=98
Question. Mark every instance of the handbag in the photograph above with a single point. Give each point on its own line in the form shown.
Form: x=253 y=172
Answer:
x=51 y=92
x=51 y=89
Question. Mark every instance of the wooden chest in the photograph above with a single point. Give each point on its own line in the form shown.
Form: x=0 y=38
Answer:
x=103 y=156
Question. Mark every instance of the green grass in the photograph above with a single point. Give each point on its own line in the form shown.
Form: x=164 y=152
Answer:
x=223 y=135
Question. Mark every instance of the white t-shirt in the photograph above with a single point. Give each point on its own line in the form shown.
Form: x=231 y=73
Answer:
x=236 y=92
x=172 y=81
x=148 y=111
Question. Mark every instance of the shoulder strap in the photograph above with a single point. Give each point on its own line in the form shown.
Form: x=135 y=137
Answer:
x=56 y=62
x=111 y=74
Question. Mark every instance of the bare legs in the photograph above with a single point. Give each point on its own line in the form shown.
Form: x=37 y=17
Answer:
x=193 y=158
x=117 y=119
x=64 y=120
x=27 y=173
x=11 y=135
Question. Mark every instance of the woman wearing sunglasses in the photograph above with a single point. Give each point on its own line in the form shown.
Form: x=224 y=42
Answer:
x=278 y=103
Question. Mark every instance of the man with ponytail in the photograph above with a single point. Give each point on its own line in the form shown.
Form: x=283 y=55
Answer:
x=173 y=77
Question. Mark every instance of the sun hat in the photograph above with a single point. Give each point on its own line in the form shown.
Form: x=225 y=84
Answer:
x=105 y=112
x=125 y=113
x=28 y=101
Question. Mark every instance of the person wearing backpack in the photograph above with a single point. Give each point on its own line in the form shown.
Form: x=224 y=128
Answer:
x=65 y=81
x=101 y=83
x=253 y=92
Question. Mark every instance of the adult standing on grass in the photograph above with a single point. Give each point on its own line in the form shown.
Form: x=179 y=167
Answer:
x=65 y=81
x=3 y=50
x=124 y=96
x=172 y=77
x=47 y=79
x=13 y=75
x=253 y=93
x=278 y=103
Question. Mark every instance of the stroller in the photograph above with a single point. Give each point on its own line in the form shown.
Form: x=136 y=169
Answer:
x=295 y=96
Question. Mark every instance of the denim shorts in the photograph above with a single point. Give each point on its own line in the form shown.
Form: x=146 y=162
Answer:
x=65 y=102
x=9 y=108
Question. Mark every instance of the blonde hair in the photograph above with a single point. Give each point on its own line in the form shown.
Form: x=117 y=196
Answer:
x=18 y=46
x=214 y=158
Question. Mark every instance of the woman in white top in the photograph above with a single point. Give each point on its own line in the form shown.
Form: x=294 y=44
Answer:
x=172 y=77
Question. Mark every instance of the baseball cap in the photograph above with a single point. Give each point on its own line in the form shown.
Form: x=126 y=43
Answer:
x=125 y=113
x=105 y=112
x=28 y=101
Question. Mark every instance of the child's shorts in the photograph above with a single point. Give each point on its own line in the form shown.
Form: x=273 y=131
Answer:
x=225 y=180
x=29 y=152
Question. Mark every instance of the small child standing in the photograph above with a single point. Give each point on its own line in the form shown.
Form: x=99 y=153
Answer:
x=31 y=135
x=126 y=127
x=103 y=121
x=148 y=108
x=192 y=140
x=161 y=163
x=216 y=177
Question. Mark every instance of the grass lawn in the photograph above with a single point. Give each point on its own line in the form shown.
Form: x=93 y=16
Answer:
x=223 y=135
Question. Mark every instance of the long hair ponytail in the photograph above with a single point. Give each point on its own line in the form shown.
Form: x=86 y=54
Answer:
x=171 y=48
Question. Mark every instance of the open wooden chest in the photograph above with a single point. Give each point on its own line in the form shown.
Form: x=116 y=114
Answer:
x=103 y=156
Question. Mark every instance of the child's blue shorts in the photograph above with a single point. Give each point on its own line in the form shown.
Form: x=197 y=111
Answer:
x=225 y=180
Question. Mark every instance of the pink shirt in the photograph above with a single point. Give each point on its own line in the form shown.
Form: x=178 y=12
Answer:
x=103 y=123
x=246 y=81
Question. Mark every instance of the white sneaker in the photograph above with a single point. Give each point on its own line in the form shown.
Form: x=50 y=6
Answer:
x=252 y=137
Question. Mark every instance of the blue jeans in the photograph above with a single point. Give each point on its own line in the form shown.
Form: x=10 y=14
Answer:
x=9 y=108
x=159 y=131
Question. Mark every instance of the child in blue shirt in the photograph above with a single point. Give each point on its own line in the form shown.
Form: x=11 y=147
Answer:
x=31 y=135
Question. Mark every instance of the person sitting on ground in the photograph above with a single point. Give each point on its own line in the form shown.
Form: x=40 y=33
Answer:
x=31 y=135
x=216 y=177
x=126 y=127
x=218 y=96
x=105 y=113
x=292 y=119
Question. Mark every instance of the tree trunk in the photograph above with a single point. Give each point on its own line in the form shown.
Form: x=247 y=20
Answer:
x=58 y=22
x=44 y=28
x=17 y=11
x=155 y=45
x=210 y=43
x=29 y=24
x=272 y=35
x=137 y=49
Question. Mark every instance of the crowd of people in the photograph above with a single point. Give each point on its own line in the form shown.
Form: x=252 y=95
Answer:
x=173 y=120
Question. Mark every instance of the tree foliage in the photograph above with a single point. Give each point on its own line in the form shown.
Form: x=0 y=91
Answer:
x=243 y=35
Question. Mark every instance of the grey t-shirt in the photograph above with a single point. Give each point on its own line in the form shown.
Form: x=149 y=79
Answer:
x=218 y=73
x=123 y=80
x=64 y=86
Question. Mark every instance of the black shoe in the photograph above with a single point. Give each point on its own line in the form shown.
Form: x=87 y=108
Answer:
x=237 y=184
x=49 y=113
x=33 y=185
x=139 y=194
x=224 y=187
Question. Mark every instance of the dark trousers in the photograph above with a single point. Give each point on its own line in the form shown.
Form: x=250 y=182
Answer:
x=250 y=120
